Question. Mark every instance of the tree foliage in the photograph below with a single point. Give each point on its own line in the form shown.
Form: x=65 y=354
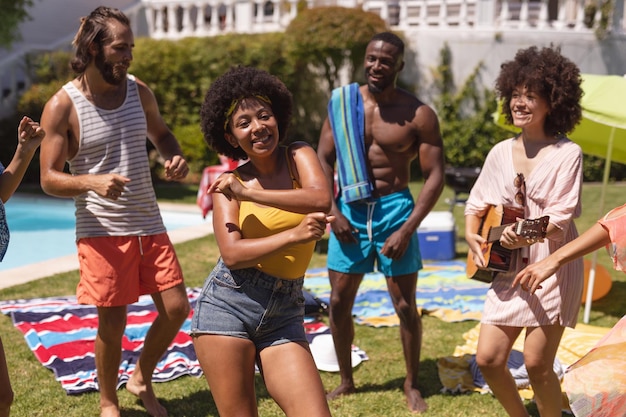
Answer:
x=465 y=114
x=13 y=13
x=180 y=72
x=333 y=38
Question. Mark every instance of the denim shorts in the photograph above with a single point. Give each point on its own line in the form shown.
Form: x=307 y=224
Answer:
x=250 y=304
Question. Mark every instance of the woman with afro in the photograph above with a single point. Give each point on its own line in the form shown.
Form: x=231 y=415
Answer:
x=534 y=174
x=267 y=215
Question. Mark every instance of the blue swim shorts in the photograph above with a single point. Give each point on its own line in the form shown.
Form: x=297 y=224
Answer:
x=250 y=304
x=376 y=219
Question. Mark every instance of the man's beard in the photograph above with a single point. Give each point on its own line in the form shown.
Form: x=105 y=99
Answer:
x=109 y=72
x=375 y=88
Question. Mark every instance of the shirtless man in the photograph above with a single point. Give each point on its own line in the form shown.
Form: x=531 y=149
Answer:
x=398 y=129
x=99 y=122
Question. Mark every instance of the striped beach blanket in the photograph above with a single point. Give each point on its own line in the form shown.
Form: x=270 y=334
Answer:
x=61 y=334
x=345 y=113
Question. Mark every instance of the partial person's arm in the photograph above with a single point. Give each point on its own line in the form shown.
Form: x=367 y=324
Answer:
x=533 y=275
x=314 y=194
x=60 y=144
x=237 y=252
x=475 y=241
x=327 y=155
x=161 y=136
x=29 y=137
x=563 y=202
x=431 y=160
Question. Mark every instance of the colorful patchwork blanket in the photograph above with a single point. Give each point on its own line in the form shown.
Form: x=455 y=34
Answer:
x=443 y=291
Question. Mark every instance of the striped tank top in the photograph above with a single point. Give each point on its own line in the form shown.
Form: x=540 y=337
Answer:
x=114 y=141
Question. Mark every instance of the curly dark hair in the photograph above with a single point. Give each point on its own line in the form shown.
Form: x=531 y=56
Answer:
x=549 y=74
x=236 y=84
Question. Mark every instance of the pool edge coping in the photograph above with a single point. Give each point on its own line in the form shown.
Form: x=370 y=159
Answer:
x=44 y=269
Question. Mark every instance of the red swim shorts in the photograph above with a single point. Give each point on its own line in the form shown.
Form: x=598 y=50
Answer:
x=116 y=270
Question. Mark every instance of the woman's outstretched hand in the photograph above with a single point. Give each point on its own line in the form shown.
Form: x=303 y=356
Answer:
x=531 y=277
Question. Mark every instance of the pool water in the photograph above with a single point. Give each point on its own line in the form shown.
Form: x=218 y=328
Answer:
x=43 y=228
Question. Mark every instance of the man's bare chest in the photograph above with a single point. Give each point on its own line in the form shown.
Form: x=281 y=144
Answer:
x=390 y=127
x=390 y=137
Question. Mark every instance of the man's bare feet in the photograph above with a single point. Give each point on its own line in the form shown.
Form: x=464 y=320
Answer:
x=147 y=397
x=414 y=400
x=340 y=390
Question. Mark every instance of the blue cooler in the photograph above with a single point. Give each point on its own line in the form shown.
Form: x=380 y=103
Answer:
x=437 y=236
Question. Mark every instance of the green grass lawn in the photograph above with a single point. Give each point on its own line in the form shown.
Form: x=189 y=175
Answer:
x=379 y=380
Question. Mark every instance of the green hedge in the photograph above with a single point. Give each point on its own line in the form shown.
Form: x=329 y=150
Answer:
x=308 y=57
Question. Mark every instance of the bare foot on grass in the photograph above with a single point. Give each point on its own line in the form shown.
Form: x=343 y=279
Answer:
x=414 y=400
x=110 y=411
x=340 y=390
x=147 y=397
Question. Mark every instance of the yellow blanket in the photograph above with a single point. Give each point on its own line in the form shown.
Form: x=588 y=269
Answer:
x=454 y=371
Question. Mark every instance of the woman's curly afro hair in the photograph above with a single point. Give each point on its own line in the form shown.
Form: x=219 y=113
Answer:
x=234 y=85
x=549 y=74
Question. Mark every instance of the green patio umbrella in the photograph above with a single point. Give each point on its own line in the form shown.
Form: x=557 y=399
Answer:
x=602 y=133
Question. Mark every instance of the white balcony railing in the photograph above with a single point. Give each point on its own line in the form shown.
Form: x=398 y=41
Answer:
x=171 y=19
x=176 y=19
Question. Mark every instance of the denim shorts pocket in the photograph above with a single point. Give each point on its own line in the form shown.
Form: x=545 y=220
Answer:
x=299 y=299
x=224 y=278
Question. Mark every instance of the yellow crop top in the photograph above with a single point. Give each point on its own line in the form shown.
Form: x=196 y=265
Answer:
x=256 y=221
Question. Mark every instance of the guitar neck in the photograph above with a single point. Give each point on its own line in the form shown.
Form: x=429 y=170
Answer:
x=522 y=227
x=495 y=233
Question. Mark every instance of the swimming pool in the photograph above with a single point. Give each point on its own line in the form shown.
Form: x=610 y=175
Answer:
x=42 y=228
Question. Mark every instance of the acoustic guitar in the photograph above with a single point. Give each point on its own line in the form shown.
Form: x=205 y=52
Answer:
x=498 y=258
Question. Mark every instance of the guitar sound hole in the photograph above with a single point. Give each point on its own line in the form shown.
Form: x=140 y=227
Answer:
x=500 y=259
